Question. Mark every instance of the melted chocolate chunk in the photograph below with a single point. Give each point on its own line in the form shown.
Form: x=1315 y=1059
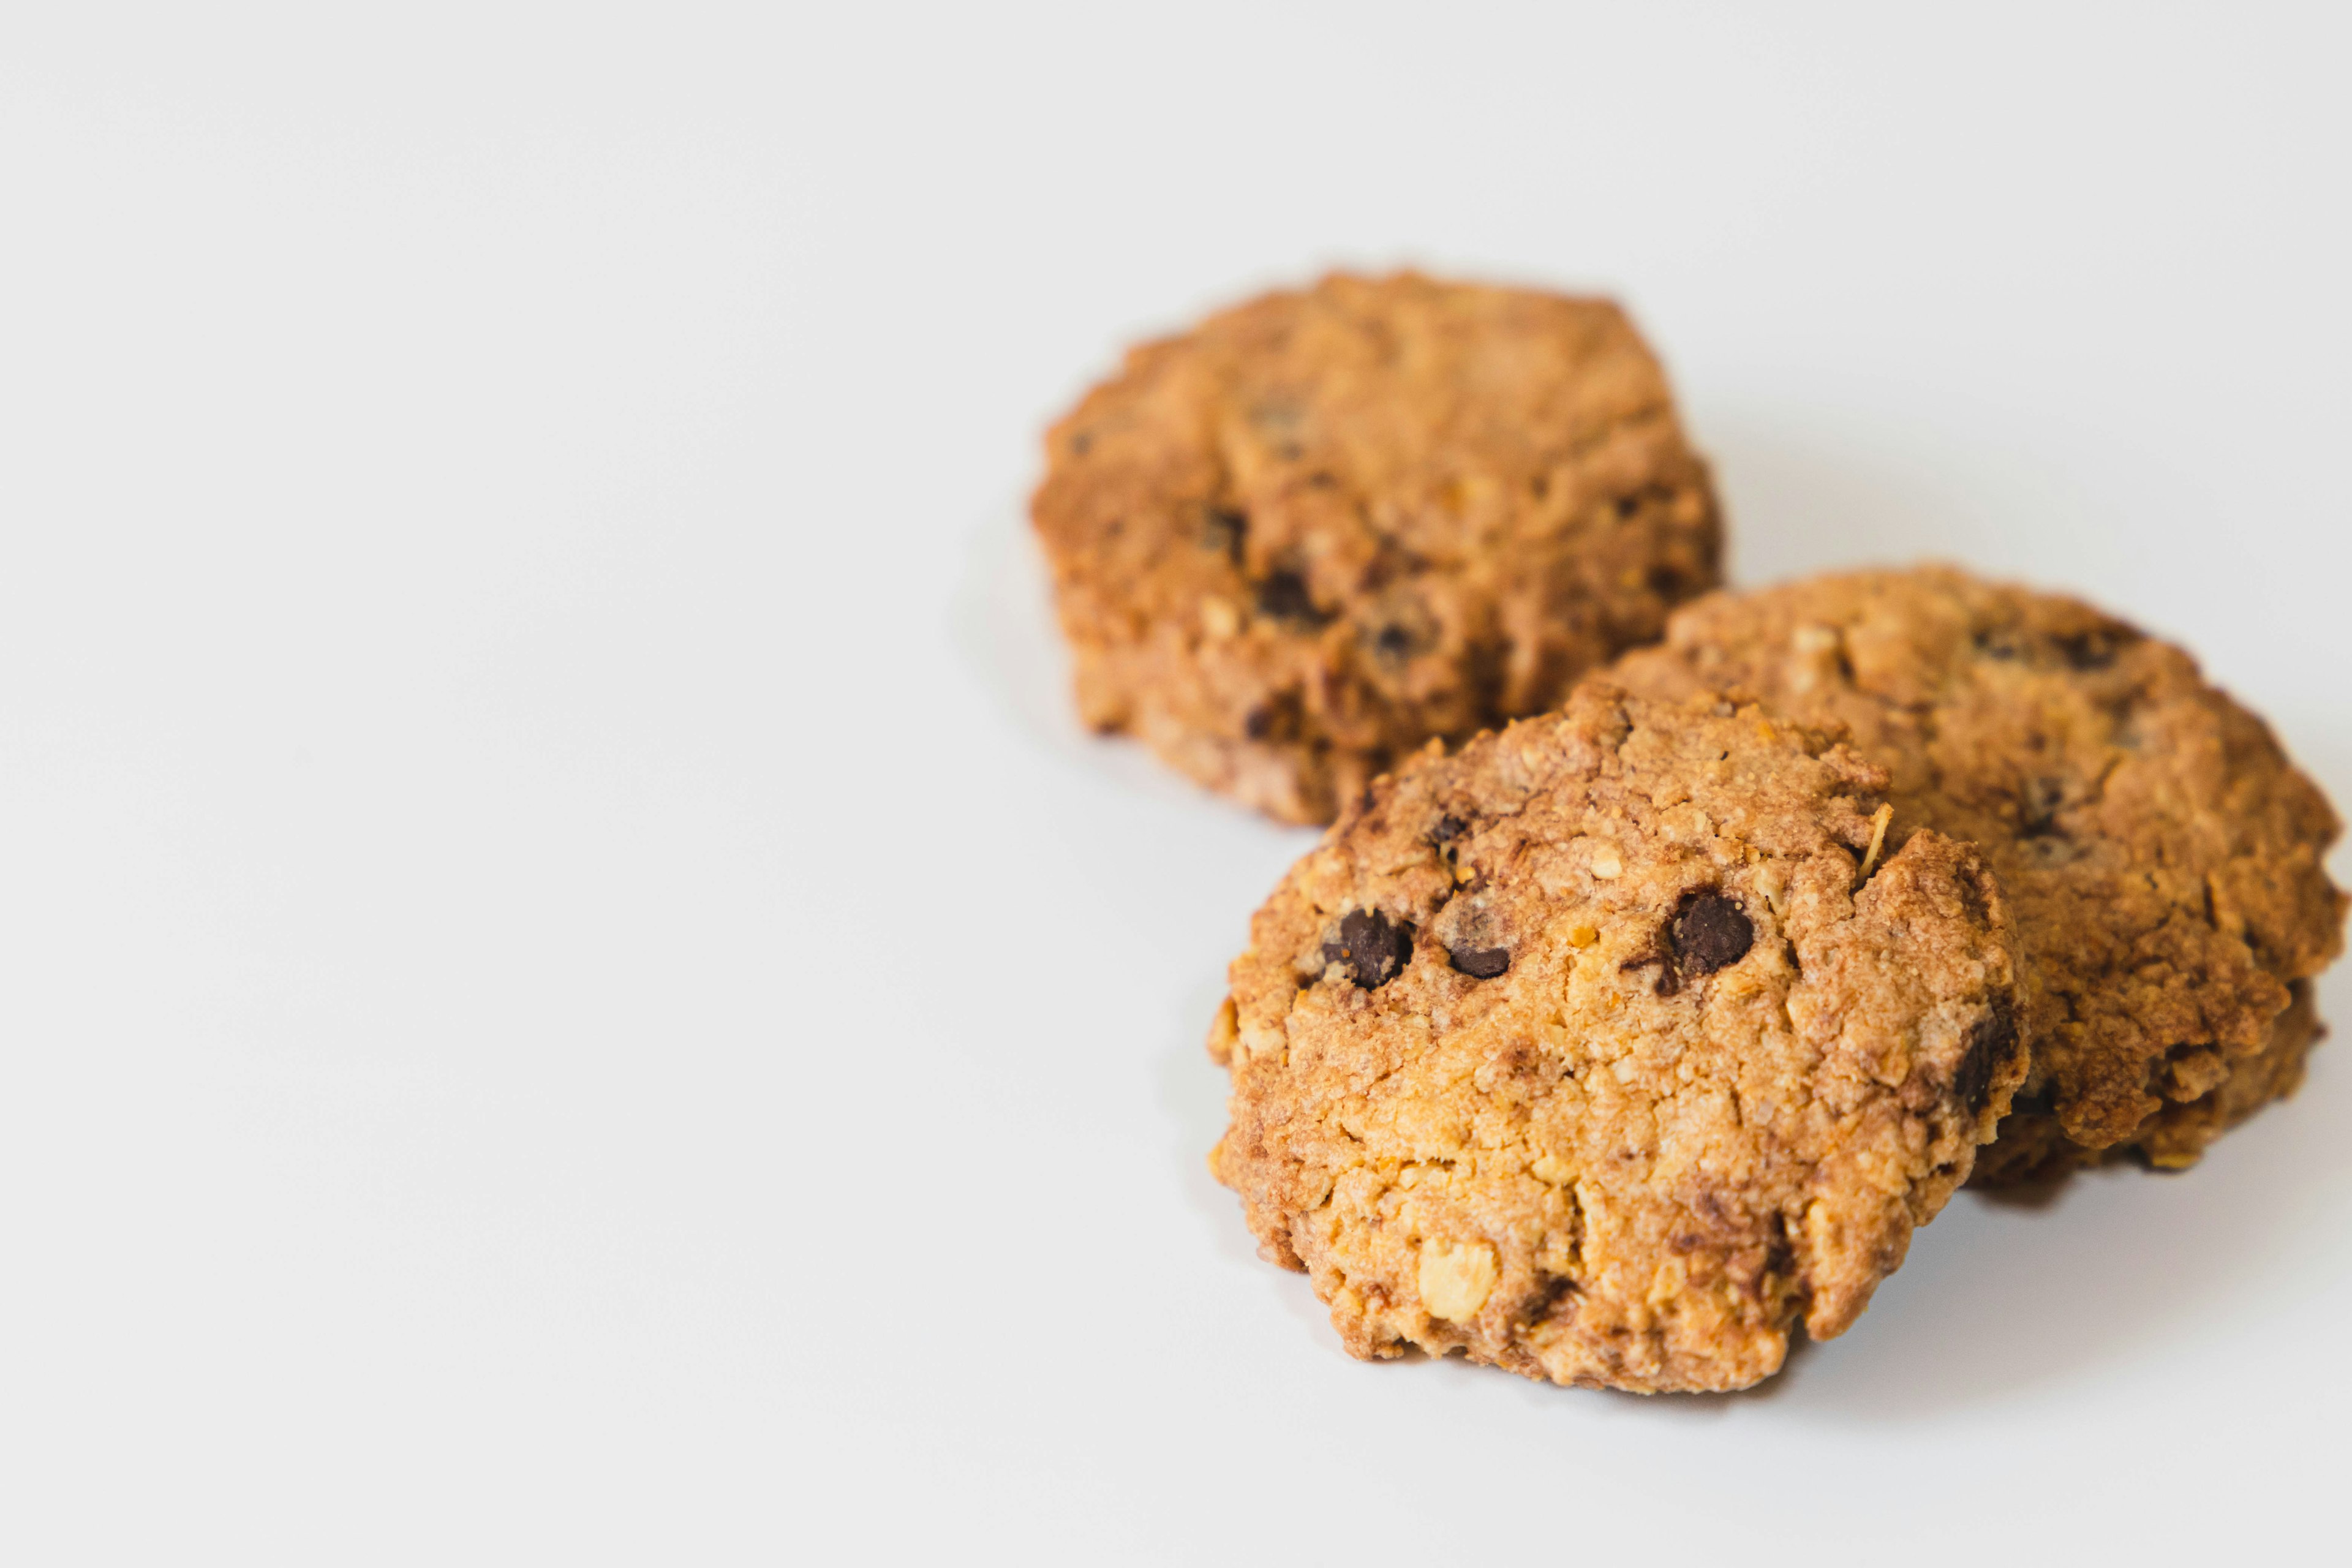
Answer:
x=1284 y=596
x=1480 y=963
x=1374 y=948
x=1990 y=1040
x=1449 y=828
x=1708 y=932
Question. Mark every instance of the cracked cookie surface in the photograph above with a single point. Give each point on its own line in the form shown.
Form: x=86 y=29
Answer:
x=1614 y=1046
x=2163 y=857
x=1325 y=526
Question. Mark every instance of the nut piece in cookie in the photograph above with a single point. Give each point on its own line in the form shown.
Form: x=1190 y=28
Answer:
x=2163 y=857
x=1592 y=1052
x=1297 y=541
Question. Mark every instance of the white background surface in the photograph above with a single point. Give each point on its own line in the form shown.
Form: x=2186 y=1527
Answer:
x=571 y=991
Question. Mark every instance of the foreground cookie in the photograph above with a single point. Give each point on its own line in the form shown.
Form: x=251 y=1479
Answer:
x=2161 y=854
x=1612 y=1047
x=1293 y=544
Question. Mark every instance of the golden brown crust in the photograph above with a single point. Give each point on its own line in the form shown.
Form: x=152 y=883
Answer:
x=1294 y=544
x=1603 y=1051
x=2163 y=856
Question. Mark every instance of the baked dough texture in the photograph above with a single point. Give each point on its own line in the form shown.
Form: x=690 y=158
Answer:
x=1615 y=1047
x=1294 y=544
x=2163 y=857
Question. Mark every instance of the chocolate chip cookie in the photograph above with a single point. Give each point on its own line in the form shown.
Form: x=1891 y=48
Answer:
x=2163 y=856
x=1294 y=544
x=1614 y=1047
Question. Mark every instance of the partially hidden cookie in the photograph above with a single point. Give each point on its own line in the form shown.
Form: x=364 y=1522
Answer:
x=2164 y=858
x=1613 y=1048
x=1293 y=544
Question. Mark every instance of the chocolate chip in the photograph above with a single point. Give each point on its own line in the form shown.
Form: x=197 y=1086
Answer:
x=1628 y=505
x=1393 y=642
x=1550 y=1290
x=2000 y=642
x=1224 y=529
x=1708 y=932
x=1990 y=1039
x=2038 y=817
x=2088 y=651
x=1284 y=596
x=1449 y=828
x=1480 y=963
x=1374 y=948
x=1281 y=718
x=1670 y=981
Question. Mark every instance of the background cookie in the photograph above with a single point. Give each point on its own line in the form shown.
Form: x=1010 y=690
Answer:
x=1294 y=544
x=2162 y=855
x=1612 y=1047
